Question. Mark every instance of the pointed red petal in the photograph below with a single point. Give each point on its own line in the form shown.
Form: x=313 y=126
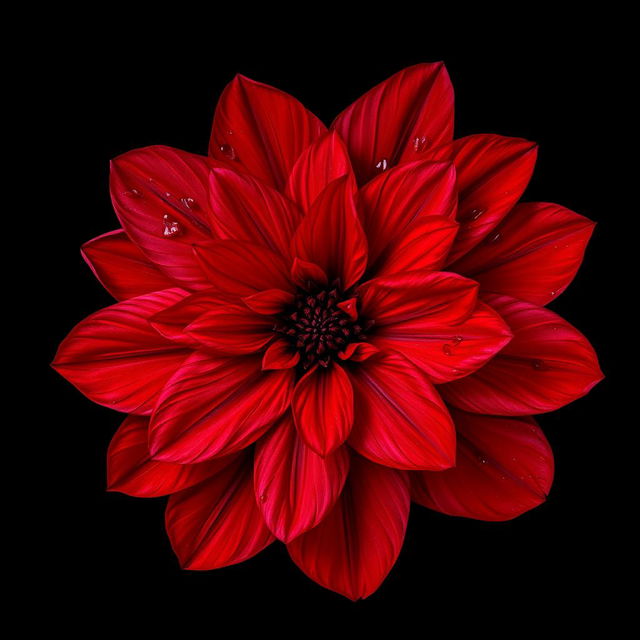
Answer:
x=331 y=235
x=323 y=162
x=434 y=320
x=504 y=467
x=242 y=268
x=262 y=129
x=398 y=198
x=397 y=120
x=400 y=420
x=295 y=487
x=270 y=302
x=242 y=208
x=131 y=470
x=492 y=173
x=323 y=408
x=214 y=406
x=217 y=523
x=161 y=196
x=117 y=359
x=121 y=267
x=353 y=549
x=280 y=355
x=228 y=326
x=547 y=365
x=307 y=274
x=532 y=255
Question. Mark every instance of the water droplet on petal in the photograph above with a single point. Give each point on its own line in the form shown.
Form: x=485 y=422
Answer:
x=447 y=350
x=229 y=132
x=552 y=293
x=539 y=365
x=171 y=227
x=382 y=165
x=420 y=143
x=133 y=193
x=168 y=195
x=228 y=151
x=458 y=339
x=263 y=497
x=494 y=238
x=482 y=459
x=476 y=213
x=189 y=203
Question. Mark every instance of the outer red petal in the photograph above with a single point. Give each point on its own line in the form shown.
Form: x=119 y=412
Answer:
x=547 y=365
x=424 y=246
x=323 y=408
x=398 y=198
x=280 y=355
x=270 y=302
x=262 y=129
x=295 y=487
x=504 y=468
x=242 y=268
x=400 y=420
x=532 y=255
x=160 y=196
x=217 y=523
x=131 y=470
x=214 y=406
x=230 y=327
x=331 y=235
x=398 y=119
x=117 y=359
x=353 y=549
x=245 y=209
x=323 y=162
x=492 y=171
x=122 y=268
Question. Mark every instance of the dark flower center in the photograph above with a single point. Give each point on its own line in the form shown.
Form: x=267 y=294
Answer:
x=318 y=327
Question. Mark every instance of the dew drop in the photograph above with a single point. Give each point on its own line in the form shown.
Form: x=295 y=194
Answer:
x=171 y=227
x=228 y=151
x=447 y=350
x=482 y=460
x=133 y=193
x=263 y=497
x=476 y=213
x=552 y=293
x=168 y=195
x=539 y=365
x=458 y=339
x=382 y=165
x=494 y=238
x=189 y=203
x=420 y=143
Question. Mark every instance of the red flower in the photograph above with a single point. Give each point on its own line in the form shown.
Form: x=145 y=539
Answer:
x=317 y=325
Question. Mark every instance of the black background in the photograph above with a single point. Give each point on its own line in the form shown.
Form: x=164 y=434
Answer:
x=137 y=86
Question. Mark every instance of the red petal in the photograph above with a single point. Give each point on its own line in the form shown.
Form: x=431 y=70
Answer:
x=122 y=269
x=323 y=162
x=117 y=359
x=323 y=408
x=245 y=209
x=131 y=470
x=305 y=274
x=397 y=120
x=295 y=487
x=172 y=321
x=353 y=549
x=398 y=198
x=217 y=523
x=270 y=302
x=331 y=237
x=533 y=254
x=400 y=420
x=424 y=246
x=547 y=365
x=434 y=320
x=262 y=129
x=504 y=468
x=230 y=327
x=358 y=351
x=492 y=171
x=280 y=355
x=241 y=268
x=214 y=406
x=161 y=195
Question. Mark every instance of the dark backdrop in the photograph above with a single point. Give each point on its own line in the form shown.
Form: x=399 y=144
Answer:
x=108 y=94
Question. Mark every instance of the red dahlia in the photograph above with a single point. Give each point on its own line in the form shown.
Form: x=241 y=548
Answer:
x=316 y=327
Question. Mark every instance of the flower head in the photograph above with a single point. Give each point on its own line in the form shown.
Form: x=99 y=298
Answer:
x=316 y=326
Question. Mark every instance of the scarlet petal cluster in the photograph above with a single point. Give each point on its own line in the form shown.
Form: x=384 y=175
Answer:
x=317 y=326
